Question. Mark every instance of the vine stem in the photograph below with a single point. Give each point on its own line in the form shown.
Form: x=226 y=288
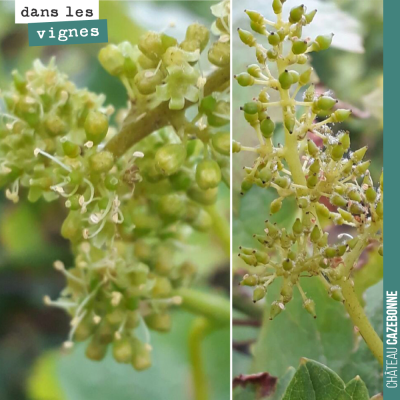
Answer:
x=213 y=313
x=136 y=127
x=221 y=228
x=351 y=303
x=200 y=328
x=360 y=320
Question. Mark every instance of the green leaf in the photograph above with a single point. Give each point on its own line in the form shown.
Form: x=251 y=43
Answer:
x=295 y=334
x=369 y=275
x=315 y=381
x=357 y=390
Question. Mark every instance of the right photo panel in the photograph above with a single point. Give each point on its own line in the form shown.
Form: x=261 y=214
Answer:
x=307 y=199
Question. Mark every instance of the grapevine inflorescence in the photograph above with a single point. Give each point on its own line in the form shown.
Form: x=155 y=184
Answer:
x=129 y=208
x=331 y=183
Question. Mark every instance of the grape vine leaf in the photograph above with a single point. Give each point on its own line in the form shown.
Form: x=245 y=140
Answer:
x=315 y=381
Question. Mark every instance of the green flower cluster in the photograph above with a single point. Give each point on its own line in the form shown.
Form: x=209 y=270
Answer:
x=129 y=216
x=331 y=183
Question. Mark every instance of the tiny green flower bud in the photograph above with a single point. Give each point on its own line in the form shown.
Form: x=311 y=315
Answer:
x=101 y=162
x=244 y=79
x=341 y=249
x=330 y=252
x=299 y=46
x=254 y=70
x=249 y=280
x=221 y=143
x=208 y=174
x=170 y=158
x=274 y=39
x=247 y=184
x=310 y=16
x=371 y=194
x=322 y=210
x=198 y=32
x=380 y=250
x=141 y=358
x=271 y=229
x=208 y=105
x=71 y=149
x=312 y=181
x=354 y=195
x=324 y=41
x=323 y=241
x=303 y=202
x=297 y=227
x=219 y=54
x=362 y=168
x=265 y=175
x=147 y=80
x=112 y=59
x=277 y=6
x=356 y=208
x=344 y=139
x=55 y=125
x=296 y=13
x=286 y=291
x=358 y=155
x=259 y=28
x=251 y=107
x=236 y=146
x=275 y=205
x=172 y=206
x=259 y=293
x=96 y=126
x=305 y=77
x=272 y=55
x=338 y=200
x=312 y=148
x=261 y=257
x=285 y=79
x=122 y=350
x=160 y=322
x=340 y=115
x=326 y=102
x=289 y=122
x=255 y=16
x=346 y=215
x=295 y=76
x=309 y=306
x=267 y=127
x=287 y=264
x=337 y=152
x=336 y=293
x=302 y=59
x=315 y=167
x=282 y=181
x=247 y=38
x=276 y=308
x=315 y=234
x=95 y=350
x=379 y=209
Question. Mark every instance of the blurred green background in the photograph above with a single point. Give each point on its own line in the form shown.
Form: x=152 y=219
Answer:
x=31 y=364
x=352 y=69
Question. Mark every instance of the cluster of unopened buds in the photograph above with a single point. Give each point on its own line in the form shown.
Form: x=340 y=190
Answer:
x=127 y=216
x=331 y=183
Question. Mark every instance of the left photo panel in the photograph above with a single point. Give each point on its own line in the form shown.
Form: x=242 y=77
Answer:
x=115 y=200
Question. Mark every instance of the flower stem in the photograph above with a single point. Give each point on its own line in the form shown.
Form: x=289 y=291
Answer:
x=361 y=321
x=200 y=328
x=215 y=308
x=135 y=129
x=221 y=228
